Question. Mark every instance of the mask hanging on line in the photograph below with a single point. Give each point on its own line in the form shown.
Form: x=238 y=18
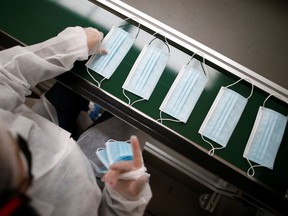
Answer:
x=117 y=43
x=223 y=116
x=265 y=138
x=146 y=71
x=184 y=92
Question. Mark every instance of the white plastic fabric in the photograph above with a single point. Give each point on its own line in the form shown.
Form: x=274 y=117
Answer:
x=64 y=182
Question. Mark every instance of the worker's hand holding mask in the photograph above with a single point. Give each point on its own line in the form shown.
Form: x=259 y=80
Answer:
x=94 y=38
x=128 y=177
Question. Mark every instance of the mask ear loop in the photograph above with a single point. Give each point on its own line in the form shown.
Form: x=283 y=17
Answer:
x=139 y=100
x=165 y=42
x=112 y=140
x=277 y=96
x=161 y=119
x=252 y=89
x=130 y=18
x=212 y=150
x=129 y=101
x=203 y=65
x=109 y=141
x=98 y=82
x=251 y=171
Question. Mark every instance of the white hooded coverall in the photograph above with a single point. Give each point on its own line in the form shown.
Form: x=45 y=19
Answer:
x=64 y=183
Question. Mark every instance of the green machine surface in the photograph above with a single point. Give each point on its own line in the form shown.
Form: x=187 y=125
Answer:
x=33 y=21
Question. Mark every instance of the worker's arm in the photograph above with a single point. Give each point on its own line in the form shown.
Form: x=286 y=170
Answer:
x=23 y=67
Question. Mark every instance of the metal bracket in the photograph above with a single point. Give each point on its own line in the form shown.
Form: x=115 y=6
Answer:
x=208 y=202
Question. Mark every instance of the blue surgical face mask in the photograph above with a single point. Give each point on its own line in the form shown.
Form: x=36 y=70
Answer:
x=118 y=151
x=223 y=117
x=102 y=156
x=117 y=43
x=265 y=138
x=115 y=151
x=146 y=71
x=184 y=93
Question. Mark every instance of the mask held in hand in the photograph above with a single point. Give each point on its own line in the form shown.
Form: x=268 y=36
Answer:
x=115 y=151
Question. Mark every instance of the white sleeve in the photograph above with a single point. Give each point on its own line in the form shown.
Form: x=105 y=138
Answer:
x=23 y=67
x=113 y=204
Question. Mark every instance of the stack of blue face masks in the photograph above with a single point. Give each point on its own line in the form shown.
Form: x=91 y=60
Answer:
x=115 y=151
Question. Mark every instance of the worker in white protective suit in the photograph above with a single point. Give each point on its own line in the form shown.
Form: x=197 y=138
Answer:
x=63 y=180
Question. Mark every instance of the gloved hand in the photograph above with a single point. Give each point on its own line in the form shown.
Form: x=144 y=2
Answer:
x=94 y=38
x=130 y=189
